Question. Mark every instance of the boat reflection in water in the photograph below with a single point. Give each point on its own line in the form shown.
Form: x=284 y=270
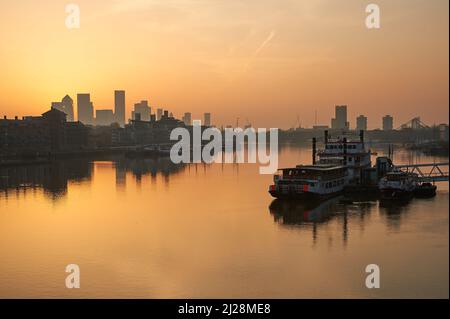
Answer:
x=312 y=214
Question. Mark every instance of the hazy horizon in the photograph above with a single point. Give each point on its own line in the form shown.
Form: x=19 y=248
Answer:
x=266 y=61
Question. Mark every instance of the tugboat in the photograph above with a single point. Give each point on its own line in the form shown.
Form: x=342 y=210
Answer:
x=398 y=185
x=425 y=189
x=340 y=162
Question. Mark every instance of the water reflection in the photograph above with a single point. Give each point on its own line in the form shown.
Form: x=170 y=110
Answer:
x=53 y=178
x=314 y=214
x=394 y=211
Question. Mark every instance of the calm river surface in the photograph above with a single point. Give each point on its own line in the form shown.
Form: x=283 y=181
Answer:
x=151 y=229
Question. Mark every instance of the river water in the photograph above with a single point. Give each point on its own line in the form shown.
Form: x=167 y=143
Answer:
x=151 y=229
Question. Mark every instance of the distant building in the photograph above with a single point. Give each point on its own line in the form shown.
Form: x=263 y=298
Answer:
x=207 y=120
x=76 y=135
x=340 y=120
x=143 y=109
x=119 y=107
x=104 y=117
x=443 y=132
x=388 y=123
x=159 y=113
x=187 y=118
x=56 y=122
x=66 y=106
x=49 y=132
x=361 y=123
x=320 y=127
x=85 y=109
x=139 y=132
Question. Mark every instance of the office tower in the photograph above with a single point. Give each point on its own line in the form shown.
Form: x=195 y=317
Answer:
x=104 y=117
x=57 y=106
x=361 y=123
x=159 y=113
x=119 y=107
x=85 y=109
x=67 y=103
x=66 y=106
x=207 y=120
x=143 y=109
x=187 y=118
x=388 y=123
x=165 y=114
x=340 y=119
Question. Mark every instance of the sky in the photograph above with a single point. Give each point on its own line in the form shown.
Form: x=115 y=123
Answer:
x=273 y=63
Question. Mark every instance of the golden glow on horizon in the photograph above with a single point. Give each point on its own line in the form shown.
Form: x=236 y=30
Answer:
x=266 y=60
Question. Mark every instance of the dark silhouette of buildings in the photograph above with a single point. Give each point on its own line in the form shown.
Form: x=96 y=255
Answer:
x=139 y=132
x=49 y=132
x=66 y=106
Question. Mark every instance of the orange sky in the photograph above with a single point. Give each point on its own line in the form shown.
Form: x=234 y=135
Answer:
x=266 y=60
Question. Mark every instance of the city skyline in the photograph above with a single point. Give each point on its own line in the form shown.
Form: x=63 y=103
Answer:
x=286 y=60
x=88 y=114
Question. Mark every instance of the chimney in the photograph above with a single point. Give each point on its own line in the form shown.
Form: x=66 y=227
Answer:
x=314 y=151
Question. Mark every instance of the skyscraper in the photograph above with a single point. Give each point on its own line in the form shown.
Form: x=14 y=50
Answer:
x=207 y=119
x=143 y=109
x=159 y=113
x=85 y=109
x=388 y=123
x=119 y=106
x=104 y=117
x=66 y=106
x=187 y=118
x=361 y=123
x=67 y=103
x=340 y=119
